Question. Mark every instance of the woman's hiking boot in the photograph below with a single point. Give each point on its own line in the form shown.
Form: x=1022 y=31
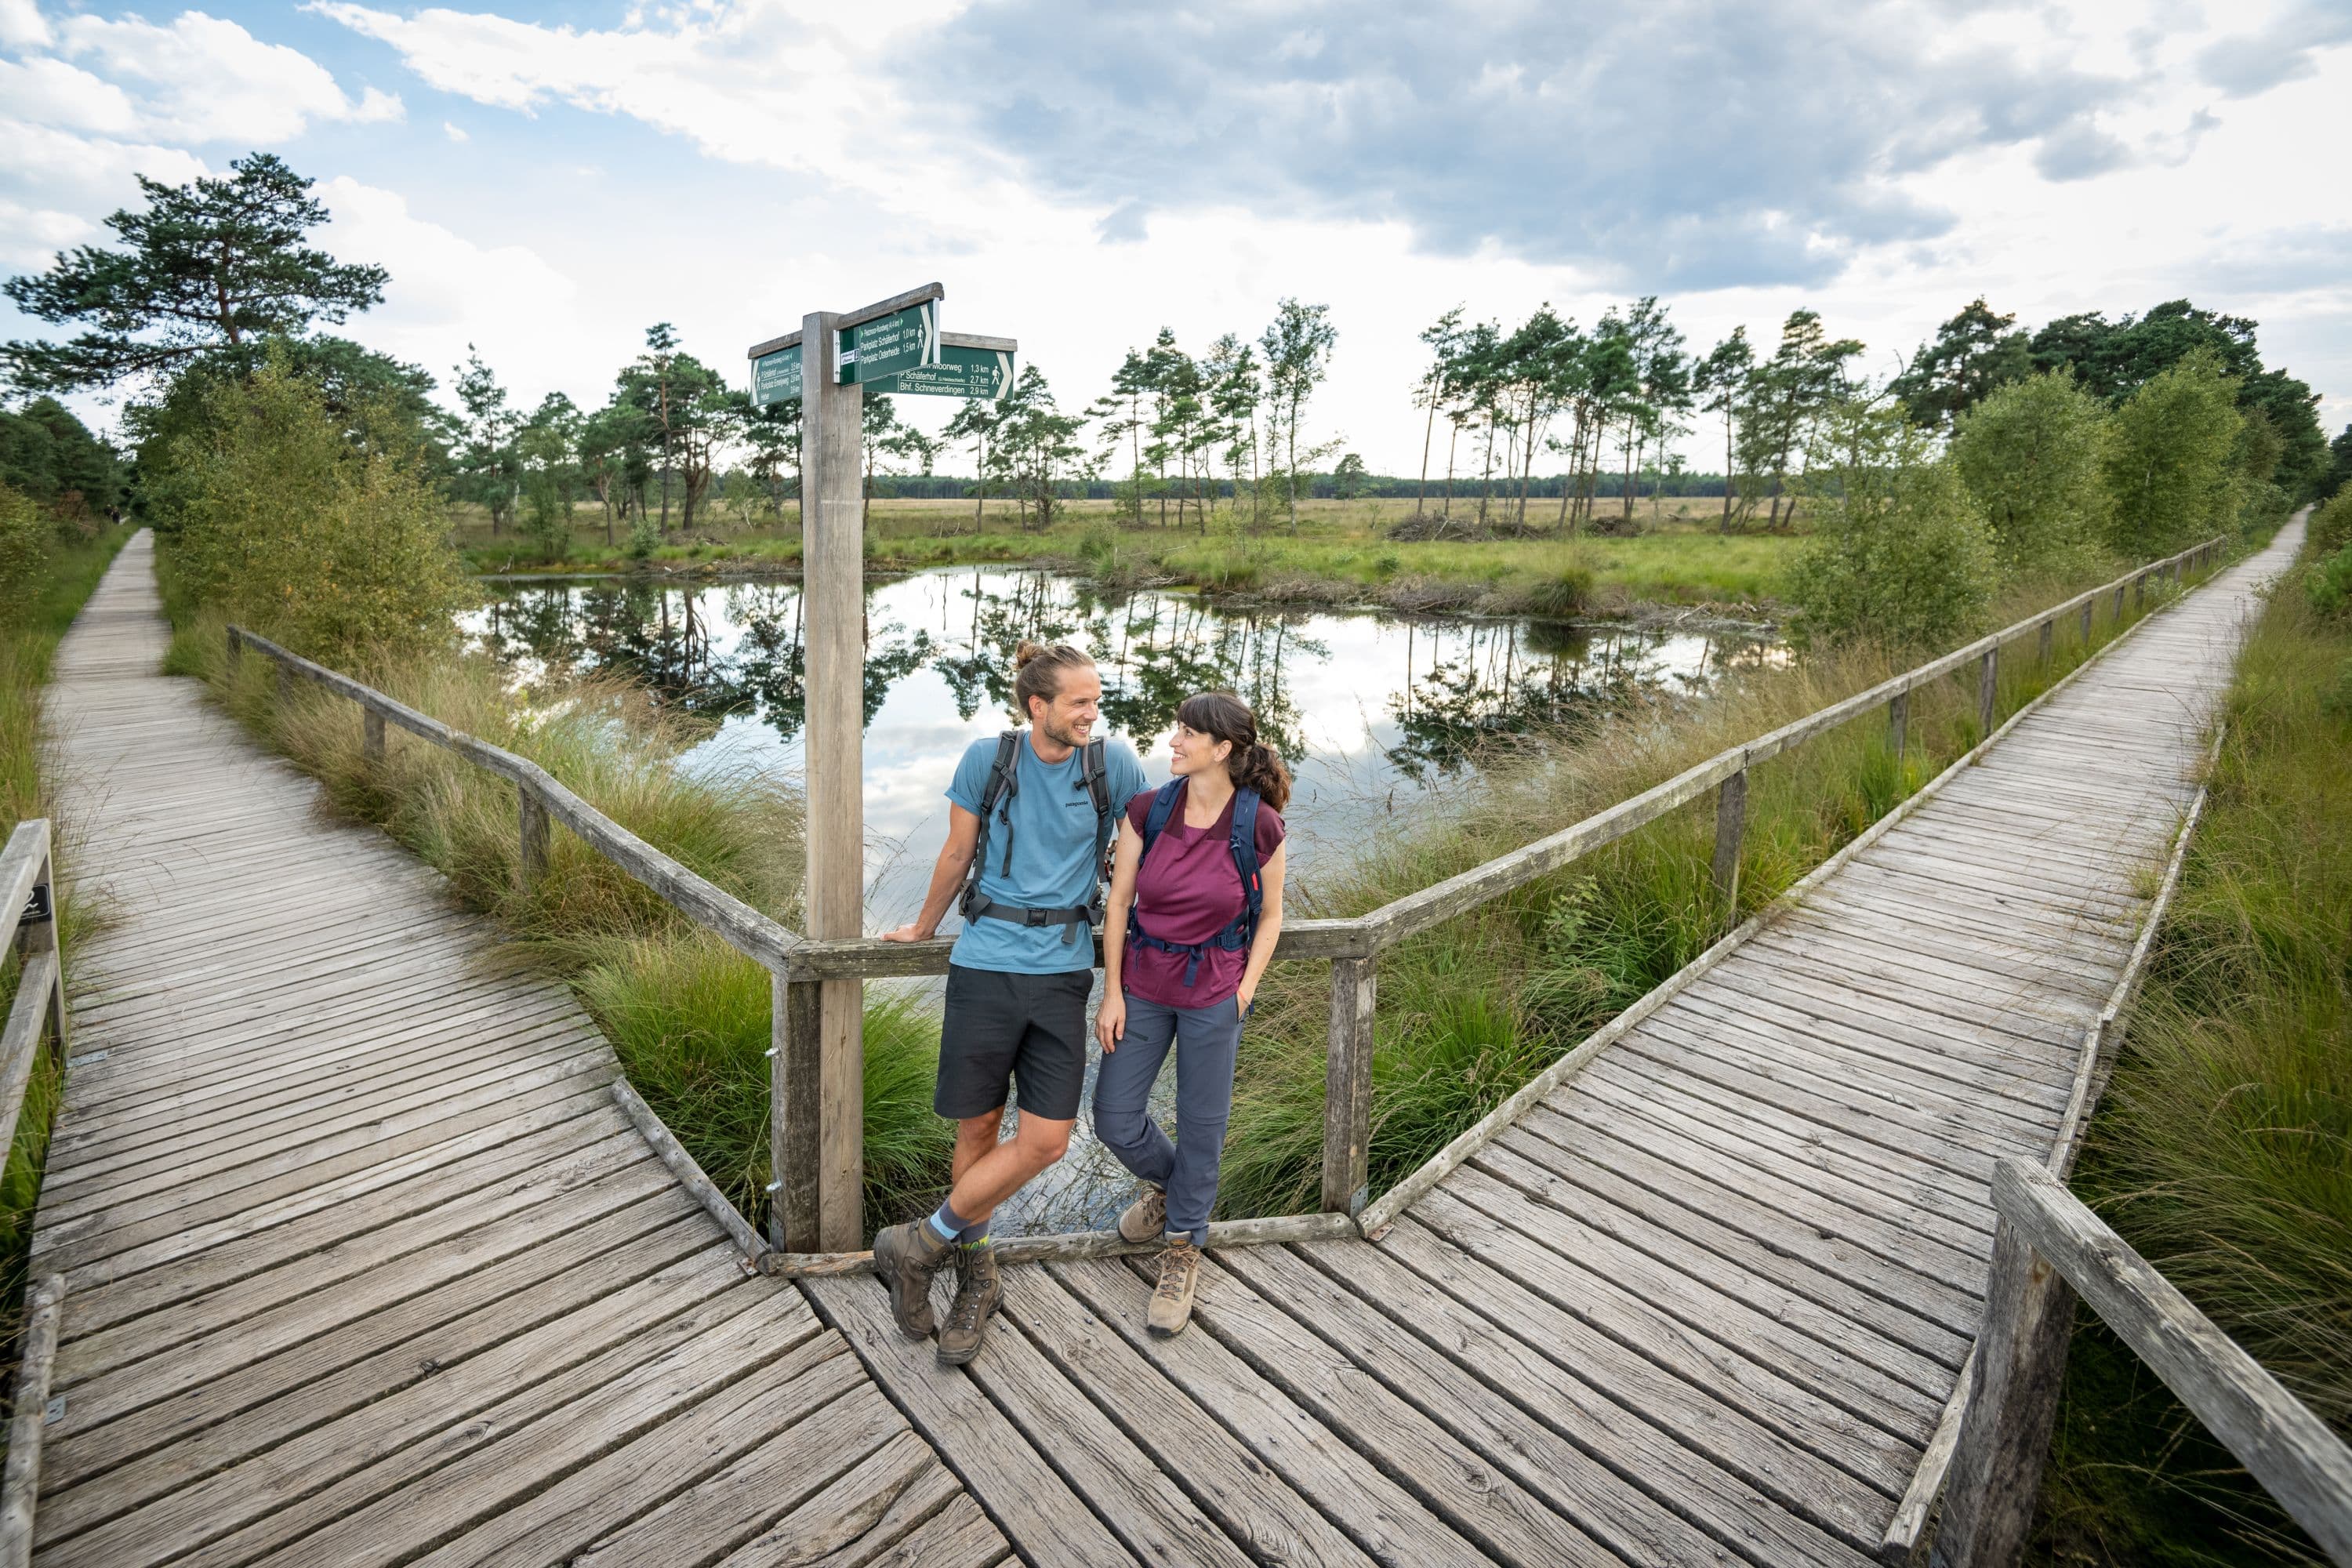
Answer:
x=906 y=1257
x=978 y=1291
x=1146 y=1217
x=1171 y=1302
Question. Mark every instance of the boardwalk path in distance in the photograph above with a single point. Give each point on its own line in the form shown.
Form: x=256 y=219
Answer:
x=363 y=1267
x=362 y=1264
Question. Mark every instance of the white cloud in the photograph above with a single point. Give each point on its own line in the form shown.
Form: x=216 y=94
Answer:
x=454 y=131
x=51 y=92
x=22 y=26
x=202 y=78
x=447 y=291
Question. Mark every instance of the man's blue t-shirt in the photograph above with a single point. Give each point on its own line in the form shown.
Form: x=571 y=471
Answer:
x=1053 y=826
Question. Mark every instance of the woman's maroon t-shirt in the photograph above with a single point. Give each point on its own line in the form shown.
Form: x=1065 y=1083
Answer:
x=1187 y=891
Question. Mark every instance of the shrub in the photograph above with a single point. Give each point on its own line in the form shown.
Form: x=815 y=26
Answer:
x=2331 y=526
x=290 y=525
x=2029 y=457
x=2330 y=584
x=1900 y=553
x=2172 y=465
x=24 y=551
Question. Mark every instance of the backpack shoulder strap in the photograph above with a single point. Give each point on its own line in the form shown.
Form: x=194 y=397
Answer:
x=1245 y=845
x=1163 y=806
x=1003 y=778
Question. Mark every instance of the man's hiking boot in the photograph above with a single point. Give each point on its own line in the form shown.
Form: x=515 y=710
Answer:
x=1171 y=1303
x=978 y=1291
x=1146 y=1217
x=906 y=1257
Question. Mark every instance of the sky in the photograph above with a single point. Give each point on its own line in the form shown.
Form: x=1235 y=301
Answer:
x=544 y=183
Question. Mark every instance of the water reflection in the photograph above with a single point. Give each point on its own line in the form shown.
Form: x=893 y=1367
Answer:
x=1361 y=703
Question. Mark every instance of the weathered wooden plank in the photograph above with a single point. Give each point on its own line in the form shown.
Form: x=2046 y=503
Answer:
x=926 y=1521
x=1250 y=1501
x=751 y=1492
x=1612 y=1477
x=1362 y=1499
x=1021 y=1492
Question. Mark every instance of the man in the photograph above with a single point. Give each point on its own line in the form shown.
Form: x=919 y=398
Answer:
x=1037 y=808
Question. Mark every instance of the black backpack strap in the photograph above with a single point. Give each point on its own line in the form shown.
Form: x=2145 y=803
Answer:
x=1245 y=845
x=1155 y=821
x=1004 y=779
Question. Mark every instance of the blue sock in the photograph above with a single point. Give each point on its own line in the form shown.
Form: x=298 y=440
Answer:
x=974 y=1234
x=945 y=1225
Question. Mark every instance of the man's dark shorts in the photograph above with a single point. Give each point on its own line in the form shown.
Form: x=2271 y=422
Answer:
x=1000 y=1028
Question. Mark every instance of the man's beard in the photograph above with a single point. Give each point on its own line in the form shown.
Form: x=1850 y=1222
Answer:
x=1063 y=734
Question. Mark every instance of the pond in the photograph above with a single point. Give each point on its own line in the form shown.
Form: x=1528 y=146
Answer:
x=1376 y=713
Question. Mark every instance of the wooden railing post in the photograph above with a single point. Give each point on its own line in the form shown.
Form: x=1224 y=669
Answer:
x=1730 y=822
x=2088 y=605
x=1347 y=1086
x=372 y=736
x=236 y=652
x=2048 y=639
x=1898 y=719
x=796 y=1136
x=531 y=821
x=2139 y=590
x=40 y=936
x=2021 y=1357
x=1988 y=691
x=2119 y=604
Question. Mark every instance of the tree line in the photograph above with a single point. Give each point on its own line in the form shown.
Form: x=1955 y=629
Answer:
x=211 y=297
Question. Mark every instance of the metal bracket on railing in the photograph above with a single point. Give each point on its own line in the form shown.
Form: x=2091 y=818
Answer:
x=37 y=911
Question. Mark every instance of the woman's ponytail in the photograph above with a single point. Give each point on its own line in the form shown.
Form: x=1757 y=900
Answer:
x=1253 y=764
x=1258 y=767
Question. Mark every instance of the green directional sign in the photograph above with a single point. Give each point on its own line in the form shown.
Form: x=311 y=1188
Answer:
x=776 y=377
x=901 y=341
x=983 y=373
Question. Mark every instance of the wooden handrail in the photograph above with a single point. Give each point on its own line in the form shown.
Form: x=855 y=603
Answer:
x=2049 y=1250
x=756 y=936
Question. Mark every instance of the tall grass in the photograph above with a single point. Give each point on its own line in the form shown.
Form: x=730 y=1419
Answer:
x=2223 y=1149
x=688 y=1016
x=29 y=633
x=1471 y=1010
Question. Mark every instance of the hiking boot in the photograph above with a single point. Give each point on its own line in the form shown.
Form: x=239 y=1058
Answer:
x=1171 y=1303
x=906 y=1256
x=978 y=1291
x=1146 y=1217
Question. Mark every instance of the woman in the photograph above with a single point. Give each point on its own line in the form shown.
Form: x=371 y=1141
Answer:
x=1185 y=942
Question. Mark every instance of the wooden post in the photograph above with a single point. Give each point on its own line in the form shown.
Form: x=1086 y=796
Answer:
x=1898 y=719
x=530 y=819
x=2088 y=605
x=2119 y=604
x=2005 y=1436
x=832 y=546
x=795 y=1138
x=235 y=653
x=1988 y=691
x=371 y=737
x=2140 y=591
x=42 y=937
x=1347 y=1086
x=1730 y=821
x=2048 y=639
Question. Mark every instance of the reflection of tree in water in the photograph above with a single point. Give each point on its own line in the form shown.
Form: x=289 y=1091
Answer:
x=1500 y=682
x=1165 y=649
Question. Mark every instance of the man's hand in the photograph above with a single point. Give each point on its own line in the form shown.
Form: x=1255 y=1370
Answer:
x=911 y=931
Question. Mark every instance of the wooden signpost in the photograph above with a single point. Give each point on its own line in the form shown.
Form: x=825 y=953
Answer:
x=816 y=1136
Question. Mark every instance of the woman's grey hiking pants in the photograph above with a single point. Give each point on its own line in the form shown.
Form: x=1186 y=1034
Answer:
x=1206 y=1040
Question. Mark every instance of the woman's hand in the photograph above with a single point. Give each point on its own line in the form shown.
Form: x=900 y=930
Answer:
x=1245 y=995
x=1110 y=1020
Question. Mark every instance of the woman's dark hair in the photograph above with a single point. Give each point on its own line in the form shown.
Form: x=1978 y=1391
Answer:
x=1222 y=716
x=1037 y=672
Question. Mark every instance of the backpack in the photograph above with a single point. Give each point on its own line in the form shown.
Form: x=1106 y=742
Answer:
x=1004 y=783
x=1241 y=930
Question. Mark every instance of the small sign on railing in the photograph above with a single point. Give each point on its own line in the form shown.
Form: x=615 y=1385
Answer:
x=37 y=909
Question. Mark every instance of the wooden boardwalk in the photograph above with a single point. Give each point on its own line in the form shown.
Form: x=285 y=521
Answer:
x=364 y=1268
